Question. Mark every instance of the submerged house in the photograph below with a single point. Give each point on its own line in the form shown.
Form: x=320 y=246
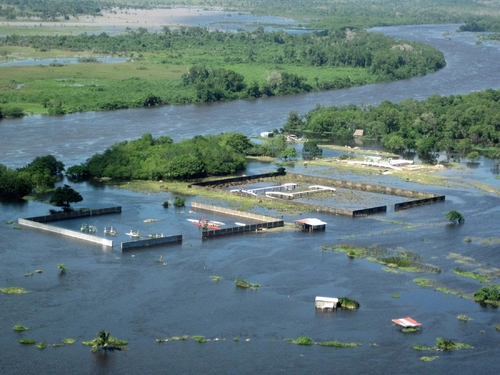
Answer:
x=326 y=303
x=310 y=224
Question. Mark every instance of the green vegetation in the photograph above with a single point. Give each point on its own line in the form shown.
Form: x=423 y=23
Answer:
x=179 y=202
x=428 y=359
x=41 y=345
x=219 y=65
x=347 y=303
x=61 y=267
x=200 y=339
x=40 y=175
x=13 y=290
x=338 y=344
x=393 y=295
x=27 y=341
x=443 y=344
x=105 y=342
x=404 y=260
x=489 y=295
x=410 y=329
x=19 y=328
x=455 y=217
x=64 y=196
x=453 y=124
x=149 y=158
x=463 y=318
x=68 y=341
x=424 y=283
x=244 y=284
x=216 y=278
x=302 y=340
x=472 y=275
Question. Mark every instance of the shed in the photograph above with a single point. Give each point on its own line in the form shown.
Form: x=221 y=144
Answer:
x=310 y=224
x=407 y=322
x=267 y=134
x=358 y=133
x=326 y=303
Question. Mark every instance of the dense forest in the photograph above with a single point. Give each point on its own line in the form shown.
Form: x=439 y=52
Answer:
x=458 y=123
x=160 y=158
x=40 y=175
x=220 y=66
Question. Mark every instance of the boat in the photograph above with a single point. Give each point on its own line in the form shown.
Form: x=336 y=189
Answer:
x=85 y=228
x=241 y=224
x=206 y=224
x=133 y=233
x=110 y=231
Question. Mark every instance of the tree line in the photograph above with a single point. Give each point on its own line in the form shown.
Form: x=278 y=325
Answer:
x=216 y=56
x=457 y=123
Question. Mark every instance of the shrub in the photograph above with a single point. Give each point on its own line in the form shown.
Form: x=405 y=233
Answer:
x=179 y=202
x=302 y=340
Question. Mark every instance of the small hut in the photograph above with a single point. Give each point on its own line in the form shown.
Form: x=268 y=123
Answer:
x=407 y=323
x=326 y=303
x=310 y=224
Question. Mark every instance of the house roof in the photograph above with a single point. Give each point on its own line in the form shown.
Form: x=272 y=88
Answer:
x=407 y=322
x=311 y=221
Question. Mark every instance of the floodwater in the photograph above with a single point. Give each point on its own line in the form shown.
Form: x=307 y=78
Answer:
x=136 y=298
x=64 y=61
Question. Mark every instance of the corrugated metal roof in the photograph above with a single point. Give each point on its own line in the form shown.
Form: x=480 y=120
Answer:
x=407 y=322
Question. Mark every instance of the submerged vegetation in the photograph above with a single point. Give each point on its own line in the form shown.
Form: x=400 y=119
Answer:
x=442 y=344
x=404 y=260
x=13 y=290
x=244 y=284
x=105 y=342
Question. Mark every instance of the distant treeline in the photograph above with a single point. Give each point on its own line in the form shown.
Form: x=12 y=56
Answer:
x=458 y=123
x=375 y=58
x=48 y=9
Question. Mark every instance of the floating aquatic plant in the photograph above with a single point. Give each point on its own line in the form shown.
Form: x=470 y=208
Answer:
x=41 y=345
x=393 y=295
x=429 y=359
x=68 y=341
x=200 y=339
x=61 y=267
x=14 y=290
x=105 y=342
x=19 y=328
x=245 y=284
x=463 y=318
x=27 y=341
x=347 y=303
x=410 y=329
x=302 y=340
x=338 y=344
x=216 y=278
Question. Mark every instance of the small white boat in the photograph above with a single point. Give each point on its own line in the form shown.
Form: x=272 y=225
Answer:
x=241 y=224
x=110 y=231
x=133 y=233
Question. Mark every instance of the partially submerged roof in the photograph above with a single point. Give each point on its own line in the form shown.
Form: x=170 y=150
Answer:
x=407 y=322
x=312 y=221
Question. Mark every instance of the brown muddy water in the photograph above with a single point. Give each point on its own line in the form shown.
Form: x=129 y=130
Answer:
x=138 y=299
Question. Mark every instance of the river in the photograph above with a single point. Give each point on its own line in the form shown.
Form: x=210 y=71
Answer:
x=138 y=299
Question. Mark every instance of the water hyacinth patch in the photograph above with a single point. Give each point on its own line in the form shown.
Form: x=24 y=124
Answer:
x=338 y=344
x=14 y=290
x=27 y=341
x=19 y=328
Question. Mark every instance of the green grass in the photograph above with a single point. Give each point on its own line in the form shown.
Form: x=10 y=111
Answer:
x=14 y=290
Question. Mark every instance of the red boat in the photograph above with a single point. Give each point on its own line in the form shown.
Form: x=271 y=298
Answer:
x=205 y=223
